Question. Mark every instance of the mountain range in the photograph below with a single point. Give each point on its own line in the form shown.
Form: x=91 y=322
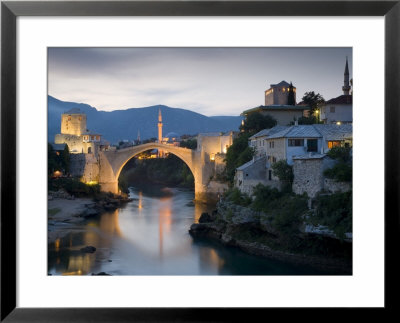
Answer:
x=119 y=125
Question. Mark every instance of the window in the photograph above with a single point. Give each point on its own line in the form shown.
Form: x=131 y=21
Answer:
x=332 y=144
x=273 y=160
x=271 y=144
x=332 y=109
x=295 y=142
x=89 y=150
x=312 y=145
x=270 y=175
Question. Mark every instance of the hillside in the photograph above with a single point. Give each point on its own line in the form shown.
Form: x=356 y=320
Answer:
x=125 y=124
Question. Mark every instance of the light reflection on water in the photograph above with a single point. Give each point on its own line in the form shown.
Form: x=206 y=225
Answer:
x=149 y=236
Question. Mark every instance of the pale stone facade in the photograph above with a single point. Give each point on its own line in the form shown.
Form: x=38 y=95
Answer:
x=278 y=94
x=214 y=143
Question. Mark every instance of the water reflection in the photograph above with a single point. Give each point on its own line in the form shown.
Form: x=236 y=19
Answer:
x=149 y=236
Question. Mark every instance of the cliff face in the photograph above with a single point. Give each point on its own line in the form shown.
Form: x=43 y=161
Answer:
x=254 y=233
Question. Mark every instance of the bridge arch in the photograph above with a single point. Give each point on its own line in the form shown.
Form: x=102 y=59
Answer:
x=112 y=162
x=182 y=155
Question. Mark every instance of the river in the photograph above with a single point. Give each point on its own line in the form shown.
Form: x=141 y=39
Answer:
x=149 y=236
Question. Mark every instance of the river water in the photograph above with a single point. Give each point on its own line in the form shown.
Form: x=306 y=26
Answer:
x=149 y=236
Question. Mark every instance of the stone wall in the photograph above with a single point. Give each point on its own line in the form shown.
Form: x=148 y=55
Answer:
x=85 y=167
x=309 y=177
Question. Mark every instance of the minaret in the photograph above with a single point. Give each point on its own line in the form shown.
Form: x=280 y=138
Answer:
x=159 y=126
x=138 y=137
x=346 y=86
x=160 y=153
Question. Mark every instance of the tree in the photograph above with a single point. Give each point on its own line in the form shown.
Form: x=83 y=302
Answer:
x=314 y=101
x=189 y=143
x=65 y=159
x=291 y=99
x=284 y=172
x=256 y=122
x=238 y=154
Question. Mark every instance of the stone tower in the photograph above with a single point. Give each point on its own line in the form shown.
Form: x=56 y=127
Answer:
x=346 y=87
x=73 y=122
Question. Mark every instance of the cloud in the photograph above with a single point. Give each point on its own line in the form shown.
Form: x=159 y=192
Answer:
x=215 y=81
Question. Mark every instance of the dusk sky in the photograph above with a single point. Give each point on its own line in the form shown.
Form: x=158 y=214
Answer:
x=210 y=81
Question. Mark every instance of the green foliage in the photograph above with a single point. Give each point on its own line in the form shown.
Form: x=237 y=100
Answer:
x=284 y=210
x=189 y=143
x=123 y=184
x=342 y=154
x=284 y=172
x=170 y=171
x=238 y=154
x=255 y=122
x=343 y=170
x=334 y=211
x=74 y=187
x=58 y=161
x=314 y=101
x=291 y=100
x=237 y=197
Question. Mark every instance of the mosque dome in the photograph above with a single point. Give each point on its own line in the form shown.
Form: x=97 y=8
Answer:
x=172 y=136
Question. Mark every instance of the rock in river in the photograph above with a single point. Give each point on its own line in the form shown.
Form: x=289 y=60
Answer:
x=88 y=249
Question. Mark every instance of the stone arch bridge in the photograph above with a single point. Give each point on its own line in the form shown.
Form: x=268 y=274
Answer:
x=112 y=162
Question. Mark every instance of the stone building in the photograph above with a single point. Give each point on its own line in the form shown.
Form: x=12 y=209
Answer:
x=75 y=134
x=308 y=171
x=339 y=110
x=280 y=103
x=83 y=145
x=307 y=143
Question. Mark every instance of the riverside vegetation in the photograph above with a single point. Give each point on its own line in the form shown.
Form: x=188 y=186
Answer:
x=271 y=223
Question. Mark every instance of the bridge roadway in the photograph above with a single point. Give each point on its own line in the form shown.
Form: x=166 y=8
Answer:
x=112 y=162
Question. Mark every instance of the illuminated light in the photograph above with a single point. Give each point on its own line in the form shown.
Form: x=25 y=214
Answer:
x=140 y=206
x=283 y=89
x=224 y=150
x=92 y=182
x=57 y=173
x=338 y=123
x=212 y=157
x=57 y=244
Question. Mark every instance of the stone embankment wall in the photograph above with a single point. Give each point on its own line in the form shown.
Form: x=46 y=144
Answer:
x=85 y=167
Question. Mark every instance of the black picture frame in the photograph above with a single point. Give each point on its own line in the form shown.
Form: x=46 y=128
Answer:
x=10 y=10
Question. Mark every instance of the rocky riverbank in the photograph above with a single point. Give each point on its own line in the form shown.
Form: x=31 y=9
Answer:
x=65 y=211
x=241 y=227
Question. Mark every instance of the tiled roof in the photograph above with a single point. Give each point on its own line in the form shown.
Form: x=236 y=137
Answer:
x=335 y=132
x=251 y=162
x=328 y=131
x=309 y=156
x=267 y=132
x=276 y=107
x=343 y=99
x=301 y=131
